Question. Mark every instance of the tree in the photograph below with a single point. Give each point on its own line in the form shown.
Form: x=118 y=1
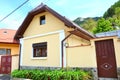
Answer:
x=109 y=22
x=111 y=11
x=116 y=18
x=103 y=26
x=117 y=12
x=89 y=25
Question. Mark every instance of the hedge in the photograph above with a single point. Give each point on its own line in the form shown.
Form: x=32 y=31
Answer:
x=62 y=74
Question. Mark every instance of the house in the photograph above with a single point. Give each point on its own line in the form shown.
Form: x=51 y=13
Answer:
x=9 y=51
x=49 y=40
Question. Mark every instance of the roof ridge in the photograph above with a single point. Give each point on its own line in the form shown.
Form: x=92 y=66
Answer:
x=38 y=7
x=42 y=8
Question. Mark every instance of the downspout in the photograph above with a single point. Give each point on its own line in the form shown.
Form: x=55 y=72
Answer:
x=62 y=49
x=19 y=57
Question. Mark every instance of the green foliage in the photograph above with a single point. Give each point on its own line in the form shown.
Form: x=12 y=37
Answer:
x=80 y=21
x=117 y=11
x=111 y=11
x=89 y=25
x=63 y=74
x=113 y=15
x=110 y=20
x=103 y=26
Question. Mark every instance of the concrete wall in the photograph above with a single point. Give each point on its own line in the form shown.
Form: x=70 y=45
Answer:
x=15 y=62
x=53 y=52
x=117 y=51
x=81 y=56
x=85 y=56
x=52 y=24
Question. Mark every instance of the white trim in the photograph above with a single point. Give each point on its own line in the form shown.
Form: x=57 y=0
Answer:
x=32 y=52
x=39 y=57
x=64 y=54
x=21 y=53
x=45 y=34
x=62 y=36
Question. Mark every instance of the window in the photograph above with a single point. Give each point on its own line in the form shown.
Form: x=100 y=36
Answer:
x=40 y=49
x=5 y=51
x=42 y=20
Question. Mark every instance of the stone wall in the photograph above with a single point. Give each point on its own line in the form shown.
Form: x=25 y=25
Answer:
x=93 y=70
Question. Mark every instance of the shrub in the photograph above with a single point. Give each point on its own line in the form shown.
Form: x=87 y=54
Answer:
x=62 y=74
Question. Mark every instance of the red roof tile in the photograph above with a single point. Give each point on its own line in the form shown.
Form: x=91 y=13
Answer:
x=7 y=36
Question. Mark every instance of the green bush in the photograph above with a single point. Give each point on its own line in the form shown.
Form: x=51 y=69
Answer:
x=62 y=74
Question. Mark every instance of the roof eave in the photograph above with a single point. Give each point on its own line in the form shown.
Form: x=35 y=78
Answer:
x=29 y=17
x=81 y=34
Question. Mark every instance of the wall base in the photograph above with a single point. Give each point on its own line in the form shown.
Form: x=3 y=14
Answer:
x=38 y=67
x=93 y=70
x=108 y=79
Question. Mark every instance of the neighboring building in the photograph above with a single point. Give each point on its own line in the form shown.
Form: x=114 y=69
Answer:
x=109 y=33
x=49 y=40
x=9 y=51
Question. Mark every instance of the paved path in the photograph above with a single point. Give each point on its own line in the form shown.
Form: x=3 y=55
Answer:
x=5 y=77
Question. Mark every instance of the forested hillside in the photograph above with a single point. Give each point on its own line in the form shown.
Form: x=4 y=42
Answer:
x=112 y=10
x=87 y=23
x=108 y=22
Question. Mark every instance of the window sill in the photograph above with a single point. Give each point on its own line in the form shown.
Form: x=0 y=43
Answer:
x=39 y=57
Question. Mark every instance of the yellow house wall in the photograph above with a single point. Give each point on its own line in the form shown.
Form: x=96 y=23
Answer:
x=15 y=61
x=53 y=55
x=75 y=40
x=78 y=56
x=14 y=48
x=83 y=56
x=117 y=51
x=52 y=24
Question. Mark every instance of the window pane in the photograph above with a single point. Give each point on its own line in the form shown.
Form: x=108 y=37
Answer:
x=42 y=20
x=8 y=51
x=40 y=49
x=44 y=52
x=2 y=51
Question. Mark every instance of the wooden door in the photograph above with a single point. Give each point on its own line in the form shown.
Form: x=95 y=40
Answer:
x=106 y=62
x=5 y=64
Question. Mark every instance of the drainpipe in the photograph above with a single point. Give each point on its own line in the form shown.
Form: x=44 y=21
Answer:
x=62 y=49
x=19 y=57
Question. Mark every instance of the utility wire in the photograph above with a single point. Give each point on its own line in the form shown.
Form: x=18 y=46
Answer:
x=14 y=10
x=44 y=1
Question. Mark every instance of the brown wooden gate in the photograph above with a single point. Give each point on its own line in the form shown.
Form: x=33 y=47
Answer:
x=5 y=64
x=106 y=62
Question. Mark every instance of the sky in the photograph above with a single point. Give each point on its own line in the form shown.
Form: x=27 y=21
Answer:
x=68 y=8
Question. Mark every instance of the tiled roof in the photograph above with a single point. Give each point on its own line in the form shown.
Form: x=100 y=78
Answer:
x=7 y=36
